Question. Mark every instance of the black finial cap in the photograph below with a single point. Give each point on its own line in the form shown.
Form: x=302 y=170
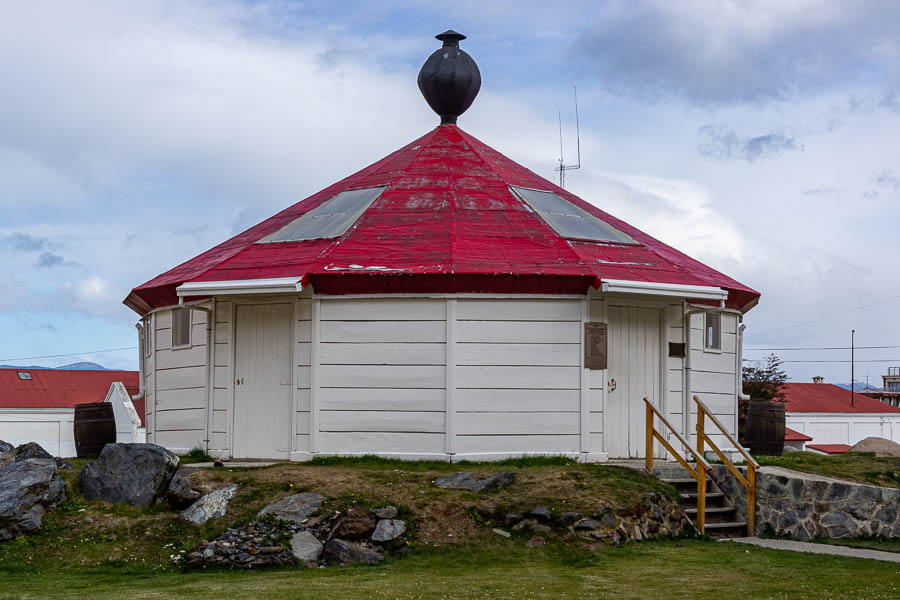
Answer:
x=449 y=79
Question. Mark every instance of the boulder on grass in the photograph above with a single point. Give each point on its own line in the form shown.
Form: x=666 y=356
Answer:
x=31 y=450
x=880 y=446
x=354 y=523
x=388 y=530
x=347 y=553
x=135 y=474
x=27 y=489
x=467 y=481
x=306 y=547
x=294 y=508
x=179 y=494
x=211 y=506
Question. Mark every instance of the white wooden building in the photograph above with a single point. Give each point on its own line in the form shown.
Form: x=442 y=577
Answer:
x=436 y=305
x=826 y=413
x=38 y=405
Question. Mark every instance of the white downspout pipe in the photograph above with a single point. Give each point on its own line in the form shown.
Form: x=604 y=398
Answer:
x=141 y=334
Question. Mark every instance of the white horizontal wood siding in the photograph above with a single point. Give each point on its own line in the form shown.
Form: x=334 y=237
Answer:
x=178 y=418
x=845 y=428
x=223 y=369
x=518 y=376
x=713 y=377
x=303 y=374
x=381 y=375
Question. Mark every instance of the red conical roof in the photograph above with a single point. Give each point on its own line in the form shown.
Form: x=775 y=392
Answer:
x=447 y=222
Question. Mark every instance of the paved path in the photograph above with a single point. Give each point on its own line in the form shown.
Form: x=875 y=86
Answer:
x=817 y=548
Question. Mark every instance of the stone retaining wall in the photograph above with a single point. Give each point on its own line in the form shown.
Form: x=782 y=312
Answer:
x=806 y=506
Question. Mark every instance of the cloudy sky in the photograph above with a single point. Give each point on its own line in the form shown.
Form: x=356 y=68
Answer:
x=759 y=137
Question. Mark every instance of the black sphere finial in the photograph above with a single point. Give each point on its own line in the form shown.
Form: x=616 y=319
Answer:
x=449 y=79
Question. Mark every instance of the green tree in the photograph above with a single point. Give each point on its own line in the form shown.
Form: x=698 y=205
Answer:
x=762 y=381
x=765 y=379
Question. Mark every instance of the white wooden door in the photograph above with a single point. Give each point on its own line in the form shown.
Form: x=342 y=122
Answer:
x=634 y=372
x=263 y=397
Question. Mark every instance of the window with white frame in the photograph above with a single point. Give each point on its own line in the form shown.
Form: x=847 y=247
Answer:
x=181 y=327
x=712 y=331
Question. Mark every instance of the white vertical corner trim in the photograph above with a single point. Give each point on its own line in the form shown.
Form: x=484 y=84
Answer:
x=314 y=354
x=295 y=398
x=585 y=399
x=450 y=388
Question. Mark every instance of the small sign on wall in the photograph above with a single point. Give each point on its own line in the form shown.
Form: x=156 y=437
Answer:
x=595 y=345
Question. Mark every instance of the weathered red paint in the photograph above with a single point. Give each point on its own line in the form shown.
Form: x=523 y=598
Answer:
x=447 y=222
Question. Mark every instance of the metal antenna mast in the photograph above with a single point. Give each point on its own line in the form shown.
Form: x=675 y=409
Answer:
x=563 y=167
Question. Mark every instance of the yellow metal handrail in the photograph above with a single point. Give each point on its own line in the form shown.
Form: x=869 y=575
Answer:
x=749 y=482
x=698 y=473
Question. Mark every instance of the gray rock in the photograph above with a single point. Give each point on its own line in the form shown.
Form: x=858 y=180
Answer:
x=179 y=494
x=294 y=508
x=795 y=490
x=6 y=446
x=348 y=553
x=388 y=529
x=7 y=458
x=27 y=489
x=135 y=474
x=535 y=542
x=570 y=518
x=866 y=492
x=306 y=547
x=61 y=464
x=31 y=450
x=833 y=518
x=467 y=481
x=385 y=512
x=606 y=515
x=541 y=514
x=501 y=533
x=211 y=506
x=886 y=513
x=838 y=491
x=512 y=518
x=588 y=524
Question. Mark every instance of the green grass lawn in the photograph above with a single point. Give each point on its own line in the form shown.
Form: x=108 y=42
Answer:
x=864 y=467
x=498 y=569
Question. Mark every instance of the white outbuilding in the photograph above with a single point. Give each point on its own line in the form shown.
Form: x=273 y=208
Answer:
x=444 y=303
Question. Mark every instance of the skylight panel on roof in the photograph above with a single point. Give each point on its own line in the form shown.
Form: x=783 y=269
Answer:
x=23 y=375
x=330 y=219
x=568 y=220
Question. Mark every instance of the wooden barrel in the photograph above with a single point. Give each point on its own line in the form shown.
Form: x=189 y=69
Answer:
x=764 y=427
x=95 y=426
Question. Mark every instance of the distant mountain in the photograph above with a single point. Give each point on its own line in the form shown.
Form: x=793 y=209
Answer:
x=78 y=366
x=83 y=366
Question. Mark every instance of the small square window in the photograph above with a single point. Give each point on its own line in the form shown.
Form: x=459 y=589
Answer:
x=181 y=327
x=23 y=375
x=712 y=339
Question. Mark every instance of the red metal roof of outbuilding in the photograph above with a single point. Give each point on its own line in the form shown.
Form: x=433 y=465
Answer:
x=829 y=398
x=59 y=388
x=830 y=448
x=795 y=436
x=447 y=222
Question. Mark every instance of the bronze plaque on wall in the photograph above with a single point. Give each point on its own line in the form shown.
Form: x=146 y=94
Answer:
x=595 y=351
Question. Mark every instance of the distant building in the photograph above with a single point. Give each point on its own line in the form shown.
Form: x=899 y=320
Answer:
x=795 y=439
x=828 y=415
x=38 y=405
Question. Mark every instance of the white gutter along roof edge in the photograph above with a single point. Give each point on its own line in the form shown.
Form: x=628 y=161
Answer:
x=273 y=285
x=649 y=288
